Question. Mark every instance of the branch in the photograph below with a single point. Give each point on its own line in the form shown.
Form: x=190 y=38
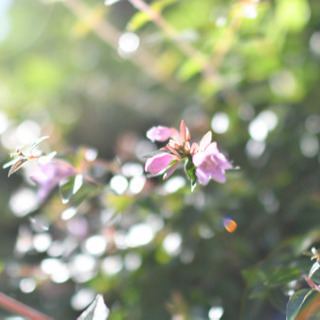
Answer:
x=21 y=309
x=110 y=35
x=187 y=49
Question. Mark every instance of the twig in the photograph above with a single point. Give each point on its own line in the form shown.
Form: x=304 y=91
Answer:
x=21 y=309
x=110 y=35
x=187 y=49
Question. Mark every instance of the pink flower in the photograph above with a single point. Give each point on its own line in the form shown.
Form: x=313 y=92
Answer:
x=160 y=133
x=210 y=163
x=49 y=175
x=160 y=163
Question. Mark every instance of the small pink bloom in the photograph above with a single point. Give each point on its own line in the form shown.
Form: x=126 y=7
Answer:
x=210 y=164
x=159 y=133
x=159 y=163
x=49 y=175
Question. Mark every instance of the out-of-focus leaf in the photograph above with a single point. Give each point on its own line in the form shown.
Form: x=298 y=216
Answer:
x=141 y=18
x=189 y=69
x=296 y=302
x=189 y=14
x=292 y=14
x=40 y=74
x=96 y=311
x=284 y=275
x=168 y=62
x=278 y=299
x=16 y=165
x=119 y=203
x=70 y=187
x=82 y=27
x=313 y=272
x=191 y=173
x=37 y=142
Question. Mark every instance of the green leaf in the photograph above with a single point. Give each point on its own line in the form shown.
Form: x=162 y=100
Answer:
x=314 y=273
x=97 y=310
x=292 y=14
x=141 y=18
x=69 y=187
x=189 y=69
x=119 y=202
x=284 y=275
x=191 y=172
x=296 y=302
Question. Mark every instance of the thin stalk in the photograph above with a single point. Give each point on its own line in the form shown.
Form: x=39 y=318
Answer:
x=21 y=309
x=187 y=49
x=110 y=35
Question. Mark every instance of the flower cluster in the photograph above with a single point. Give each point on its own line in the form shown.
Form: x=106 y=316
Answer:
x=203 y=161
x=49 y=175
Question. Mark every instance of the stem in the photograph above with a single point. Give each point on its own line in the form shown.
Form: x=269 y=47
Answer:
x=110 y=35
x=187 y=49
x=21 y=309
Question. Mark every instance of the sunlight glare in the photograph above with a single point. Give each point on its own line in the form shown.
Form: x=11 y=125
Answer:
x=112 y=265
x=96 y=245
x=132 y=261
x=136 y=184
x=82 y=298
x=27 y=285
x=4 y=122
x=23 y=201
x=128 y=43
x=28 y=131
x=42 y=242
x=220 y=122
x=215 y=313
x=172 y=243
x=174 y=184
x=255 y=149
x=309 y=145
x=119 y=184
x=139 y=235
x=314 y=43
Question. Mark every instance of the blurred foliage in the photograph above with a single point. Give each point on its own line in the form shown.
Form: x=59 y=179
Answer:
x=98 y=76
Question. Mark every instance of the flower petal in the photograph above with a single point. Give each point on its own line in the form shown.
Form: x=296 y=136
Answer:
x=210 y=164
x=171 y=170
x=202 y=177
x=199 y=158
x=205 y=141
x=158 y=163
x=158 y=133
x=219 y=175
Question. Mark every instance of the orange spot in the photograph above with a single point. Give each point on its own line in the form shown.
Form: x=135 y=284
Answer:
x=230 y=225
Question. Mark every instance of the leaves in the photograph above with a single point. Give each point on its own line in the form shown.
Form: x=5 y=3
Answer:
x=15 y=164
x=96 y=311
x=70 y=186
x=37 y=142
x=141 y=18
x=119 y=202
x=191 y=172
x=313 y=272
x=284 y=275
x=293 y=14
x=296 y=302
x=21 y=157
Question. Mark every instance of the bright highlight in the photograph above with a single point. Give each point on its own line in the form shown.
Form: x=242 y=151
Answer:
x=229 y=224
